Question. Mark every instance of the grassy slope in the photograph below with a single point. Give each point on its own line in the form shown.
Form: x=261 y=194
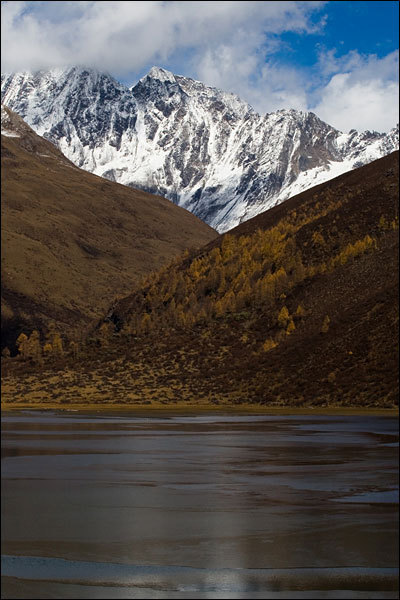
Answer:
x=72 y=240
x=222 y=360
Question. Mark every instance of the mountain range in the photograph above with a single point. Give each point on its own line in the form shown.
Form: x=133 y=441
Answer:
x=204 y=149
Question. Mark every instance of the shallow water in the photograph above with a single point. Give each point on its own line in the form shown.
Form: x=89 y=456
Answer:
x=199 y=507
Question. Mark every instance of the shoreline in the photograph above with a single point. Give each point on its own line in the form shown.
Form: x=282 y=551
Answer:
x=193 y=409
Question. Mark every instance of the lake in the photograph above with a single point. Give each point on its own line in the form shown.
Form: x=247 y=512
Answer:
x=211 y=506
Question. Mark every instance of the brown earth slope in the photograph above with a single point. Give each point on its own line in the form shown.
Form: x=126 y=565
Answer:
x=297 y=307
x=71 y=240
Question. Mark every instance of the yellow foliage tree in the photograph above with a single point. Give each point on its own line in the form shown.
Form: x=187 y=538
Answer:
x=215 y=256
x=281 y=281
x=57 y=344
x=283 y=316
x=300 y=312
x=219 y=308
x=48 y=350
x=325 y=325
x=201 y=316
x=291 y=327
x=22 y=345
x=229 y=301
x=269 y=344
x=227 y=247
x=195 y=269
x=244 y=296
x=383 y=224
x=34 y=349
x=181 y=317
x=318 y=238
x=145 y=324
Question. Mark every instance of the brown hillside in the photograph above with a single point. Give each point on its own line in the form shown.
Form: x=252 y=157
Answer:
x=71 y=240
x=297 y=307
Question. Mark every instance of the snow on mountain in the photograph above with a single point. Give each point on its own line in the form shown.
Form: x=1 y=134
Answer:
x=202 y=148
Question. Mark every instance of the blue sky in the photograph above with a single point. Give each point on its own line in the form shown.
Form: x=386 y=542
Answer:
x=368 y=27
x=336 y=58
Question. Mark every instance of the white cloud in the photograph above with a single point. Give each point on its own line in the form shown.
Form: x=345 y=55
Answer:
x=229 y=44
x=124 y=37
x=265 y=85
x=362 y=91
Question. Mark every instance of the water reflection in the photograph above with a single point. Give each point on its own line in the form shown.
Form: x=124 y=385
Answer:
x=227 y=498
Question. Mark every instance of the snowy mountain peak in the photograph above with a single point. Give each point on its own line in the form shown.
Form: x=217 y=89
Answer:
x=202 y=148
x=160 y=74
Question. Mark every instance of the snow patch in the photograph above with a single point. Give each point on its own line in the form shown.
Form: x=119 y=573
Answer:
x=8 y=133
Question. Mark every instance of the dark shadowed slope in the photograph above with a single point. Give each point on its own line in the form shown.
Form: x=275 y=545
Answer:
x=72 y=240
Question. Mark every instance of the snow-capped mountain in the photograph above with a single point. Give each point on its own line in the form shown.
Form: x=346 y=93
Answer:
x=202 y=148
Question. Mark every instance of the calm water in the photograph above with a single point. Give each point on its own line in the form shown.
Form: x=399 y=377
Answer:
x=199 y=507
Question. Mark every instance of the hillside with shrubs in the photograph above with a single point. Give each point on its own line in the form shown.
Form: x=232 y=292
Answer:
x=296 y=307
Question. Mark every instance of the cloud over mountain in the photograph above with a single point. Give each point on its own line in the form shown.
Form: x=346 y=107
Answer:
x=232 y=45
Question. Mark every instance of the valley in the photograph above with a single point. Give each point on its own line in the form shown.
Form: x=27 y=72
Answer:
x=295 y=308
x=200 y=300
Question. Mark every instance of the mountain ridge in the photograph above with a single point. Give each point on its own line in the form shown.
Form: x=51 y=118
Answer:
x=200 y=147
x=71 y=239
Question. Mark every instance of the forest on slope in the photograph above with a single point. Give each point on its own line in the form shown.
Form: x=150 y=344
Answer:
x=296 y=307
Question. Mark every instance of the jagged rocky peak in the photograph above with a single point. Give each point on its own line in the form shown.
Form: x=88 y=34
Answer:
x=160 y=83
x=160 y=74
x=157 y=86
x=203 y=148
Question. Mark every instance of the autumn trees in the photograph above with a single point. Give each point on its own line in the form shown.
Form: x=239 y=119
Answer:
x=46 y=347
x=241 y=278
x=30 y=348
x=244 y=275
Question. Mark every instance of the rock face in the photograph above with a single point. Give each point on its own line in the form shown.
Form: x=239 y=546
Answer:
x=204 y=149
